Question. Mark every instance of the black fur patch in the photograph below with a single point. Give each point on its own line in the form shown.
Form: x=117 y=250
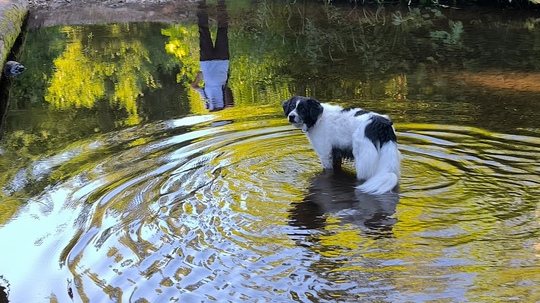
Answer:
x=358 y=111
x=342 y=153
x=289 y=105
x=380 y=130
x=338 y=154
x=309 y=111
x=361 y=112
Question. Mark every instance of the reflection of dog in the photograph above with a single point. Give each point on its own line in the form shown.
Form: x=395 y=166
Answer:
x=334 y=193
x=338 y=133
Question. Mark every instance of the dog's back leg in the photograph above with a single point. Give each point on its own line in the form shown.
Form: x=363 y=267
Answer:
x=336 y=163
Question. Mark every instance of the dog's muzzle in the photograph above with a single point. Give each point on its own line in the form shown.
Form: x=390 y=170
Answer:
x=295 y=120
x=292 y=119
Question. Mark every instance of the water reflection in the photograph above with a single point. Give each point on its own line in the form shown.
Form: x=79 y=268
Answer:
x=4 y=290
x=334 y=194
x=241 y=211
x=120 y=186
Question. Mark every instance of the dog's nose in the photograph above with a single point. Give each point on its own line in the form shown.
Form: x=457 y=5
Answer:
x=292 y=119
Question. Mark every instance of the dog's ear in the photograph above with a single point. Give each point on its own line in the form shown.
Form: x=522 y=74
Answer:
x=288 y=106
x=315 y=108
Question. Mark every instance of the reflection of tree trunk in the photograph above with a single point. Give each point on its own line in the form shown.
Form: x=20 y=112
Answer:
x=106 y=117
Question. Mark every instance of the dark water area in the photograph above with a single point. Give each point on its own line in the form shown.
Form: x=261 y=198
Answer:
x=117 y=185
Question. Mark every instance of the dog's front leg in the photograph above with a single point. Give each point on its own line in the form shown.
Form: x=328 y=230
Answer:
x=323 y=150
x=327 y=165
x=326 y=159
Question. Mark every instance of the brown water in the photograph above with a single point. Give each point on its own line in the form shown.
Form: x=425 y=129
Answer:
x=117 y=186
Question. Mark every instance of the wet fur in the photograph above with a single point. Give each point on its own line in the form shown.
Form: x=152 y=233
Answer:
x=337 y=133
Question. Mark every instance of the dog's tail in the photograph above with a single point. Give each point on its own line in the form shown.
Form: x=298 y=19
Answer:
x=379 y=184
x=387 y=173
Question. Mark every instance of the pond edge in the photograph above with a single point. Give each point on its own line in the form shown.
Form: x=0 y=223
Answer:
x=12 y=18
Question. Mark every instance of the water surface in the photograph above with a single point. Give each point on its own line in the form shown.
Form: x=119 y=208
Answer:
x=117 y=186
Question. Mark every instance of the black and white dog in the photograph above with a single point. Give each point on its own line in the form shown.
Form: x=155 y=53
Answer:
x=338 y=133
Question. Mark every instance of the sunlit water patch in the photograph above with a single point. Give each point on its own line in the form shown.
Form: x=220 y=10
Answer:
x=213 y=208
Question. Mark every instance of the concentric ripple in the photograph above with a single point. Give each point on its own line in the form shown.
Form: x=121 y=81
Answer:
x=211 y=209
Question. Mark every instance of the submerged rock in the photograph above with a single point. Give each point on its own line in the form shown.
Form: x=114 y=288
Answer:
x=13 y=68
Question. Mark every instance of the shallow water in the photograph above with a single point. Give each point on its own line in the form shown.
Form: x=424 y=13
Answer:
x=124 y=189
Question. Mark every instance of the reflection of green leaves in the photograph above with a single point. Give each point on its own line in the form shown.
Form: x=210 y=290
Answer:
x=399 y=19
x=183 y=44
x=452 y=37
x=414 y=19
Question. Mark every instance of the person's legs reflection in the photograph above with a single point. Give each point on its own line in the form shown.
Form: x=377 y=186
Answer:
x=206 y=46
x=214 y=59
x=222 y=38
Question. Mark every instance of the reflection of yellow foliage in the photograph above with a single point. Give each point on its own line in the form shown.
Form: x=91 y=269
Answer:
x=195 y=102
x=75 y=81
x=126 y=93
x=340 y=240
x=7 y=209
x=184 y=45
x=397 y=87
x=344 y=239
x=138 y=142
x=506 y=282
x=81 y=73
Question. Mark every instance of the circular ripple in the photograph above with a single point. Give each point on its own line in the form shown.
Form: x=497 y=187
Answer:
x=196 y=209
x=482 y=183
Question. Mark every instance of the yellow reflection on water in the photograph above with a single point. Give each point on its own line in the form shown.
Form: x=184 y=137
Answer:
x=83 y=70
x=8 y=207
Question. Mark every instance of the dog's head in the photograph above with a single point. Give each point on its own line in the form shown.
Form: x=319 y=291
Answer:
x=302 y=112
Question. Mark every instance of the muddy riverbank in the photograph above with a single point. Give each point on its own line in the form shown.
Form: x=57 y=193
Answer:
x=51 y=13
